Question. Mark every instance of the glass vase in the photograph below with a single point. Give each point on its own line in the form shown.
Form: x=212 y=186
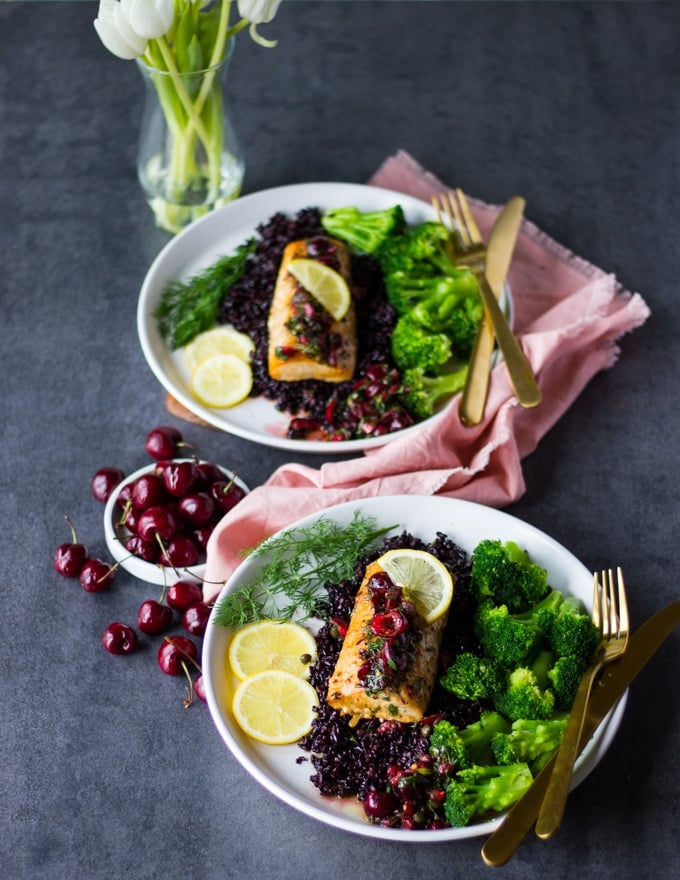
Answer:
x=189 y=160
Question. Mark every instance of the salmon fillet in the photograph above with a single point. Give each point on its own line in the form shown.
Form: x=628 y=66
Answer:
x=298 y=365
x=407 y=701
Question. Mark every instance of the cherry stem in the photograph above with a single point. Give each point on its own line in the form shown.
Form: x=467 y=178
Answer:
x=190 y=687
x=74 y=538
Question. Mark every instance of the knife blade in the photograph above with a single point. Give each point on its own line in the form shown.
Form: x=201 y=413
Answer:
x=616 y=678
x=500 y=248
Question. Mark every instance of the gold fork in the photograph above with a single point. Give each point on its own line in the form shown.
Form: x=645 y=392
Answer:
x=471 y=252
x=610 y=615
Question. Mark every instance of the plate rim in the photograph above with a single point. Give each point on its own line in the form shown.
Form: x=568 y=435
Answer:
x=207 y=227
x=592 y=754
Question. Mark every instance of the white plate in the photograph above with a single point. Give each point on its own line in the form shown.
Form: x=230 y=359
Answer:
x=466 y=523
x=217 y=234
x=115 y=537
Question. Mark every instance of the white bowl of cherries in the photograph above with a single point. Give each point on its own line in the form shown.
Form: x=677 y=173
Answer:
x=158 y=519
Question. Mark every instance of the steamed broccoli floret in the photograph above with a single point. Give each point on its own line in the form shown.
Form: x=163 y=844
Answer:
x=531 y=741
x=463 y=325
x=365 y=231
x=470 y=677
x=503 y=573
x=414 y=346
x=569 y=629
x=466 y=746
x=482 y=789
x=565 y=677
x=423 y=394
x=509 y=638
x=525 y=696
x=419 y=272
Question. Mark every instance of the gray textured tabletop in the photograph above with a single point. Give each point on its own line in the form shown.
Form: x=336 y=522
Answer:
x=576 y=106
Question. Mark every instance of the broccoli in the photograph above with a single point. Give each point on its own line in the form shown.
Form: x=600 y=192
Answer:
x=467 y=746
x=530 y=740
x=482 y=789
x=462 y=326
x=503 y=573
x=525 y=695
x=470 y=677
x=510 y=638
x=414 y=346
x=569 y=629
x=422 y=394
x=565 y=677
x=419 y=272
x=364 y=231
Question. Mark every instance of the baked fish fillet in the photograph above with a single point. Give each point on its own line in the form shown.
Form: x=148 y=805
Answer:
x=408 y=700
x=298 y=365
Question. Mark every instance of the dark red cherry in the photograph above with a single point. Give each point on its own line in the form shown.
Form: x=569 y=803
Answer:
x=105 y=481
x=96 y=575
x=209 y=473
x=148 y=490
x=195 y=619
x=175 y=653
x=119 y=638
x=202 y=535
x=163 y=441
x=70 y=557
x=156 y=521
x=180 y=551
x=145 y=550
x=196 y=508
x=179 y=478
x=153 y=617
x=227 y=494
x=199 y=688
x=380 y=804
x=182 y=594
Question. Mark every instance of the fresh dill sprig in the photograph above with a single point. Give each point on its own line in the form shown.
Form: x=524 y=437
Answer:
x=187 y=308
x=297 y=565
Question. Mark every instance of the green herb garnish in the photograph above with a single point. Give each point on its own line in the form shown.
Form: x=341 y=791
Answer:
x=299 y=563
x=188 y=308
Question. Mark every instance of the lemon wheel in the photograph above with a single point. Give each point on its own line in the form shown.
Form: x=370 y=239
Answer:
x=222 y=380
x=271 y=644
x=424 y=579
x=219 y=340
x=325 y=285
x=275 y=707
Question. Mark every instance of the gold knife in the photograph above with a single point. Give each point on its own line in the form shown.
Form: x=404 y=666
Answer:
x=616 y=678
x=499 y=252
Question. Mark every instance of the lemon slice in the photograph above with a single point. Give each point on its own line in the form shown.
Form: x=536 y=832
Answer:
x=222 y=380
x=325 y=285
x=218 y=340
x=425 y=580
x=275 y=707
x=272 y=644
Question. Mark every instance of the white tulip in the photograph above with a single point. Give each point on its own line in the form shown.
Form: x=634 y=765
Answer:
x=116 y=33
x=149 y=18
x=258 y=11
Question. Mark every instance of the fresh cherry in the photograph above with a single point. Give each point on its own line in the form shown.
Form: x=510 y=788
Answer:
x=209 y=473
x=196 y=508
x=199 y=688
x=70 y=557
x=195 y=619
x=119 y=638
x=153 y=617
x=148 y=490
x=179 y=478
x=105 y=481
x=156 y=521
x=181 y=551
x=173 y=654
x=227 y=494
x=96 y=575
x=202 y=535
x=182 y=594
x=162 y=442
x=146 y=550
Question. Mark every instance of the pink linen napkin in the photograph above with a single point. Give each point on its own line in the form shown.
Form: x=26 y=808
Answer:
x=568 y=315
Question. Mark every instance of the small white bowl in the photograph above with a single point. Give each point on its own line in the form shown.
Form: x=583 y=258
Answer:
x=150 y=572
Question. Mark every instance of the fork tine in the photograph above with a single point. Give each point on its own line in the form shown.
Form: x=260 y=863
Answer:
x=597 y=603
x=624 y=622
x=469 y=221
